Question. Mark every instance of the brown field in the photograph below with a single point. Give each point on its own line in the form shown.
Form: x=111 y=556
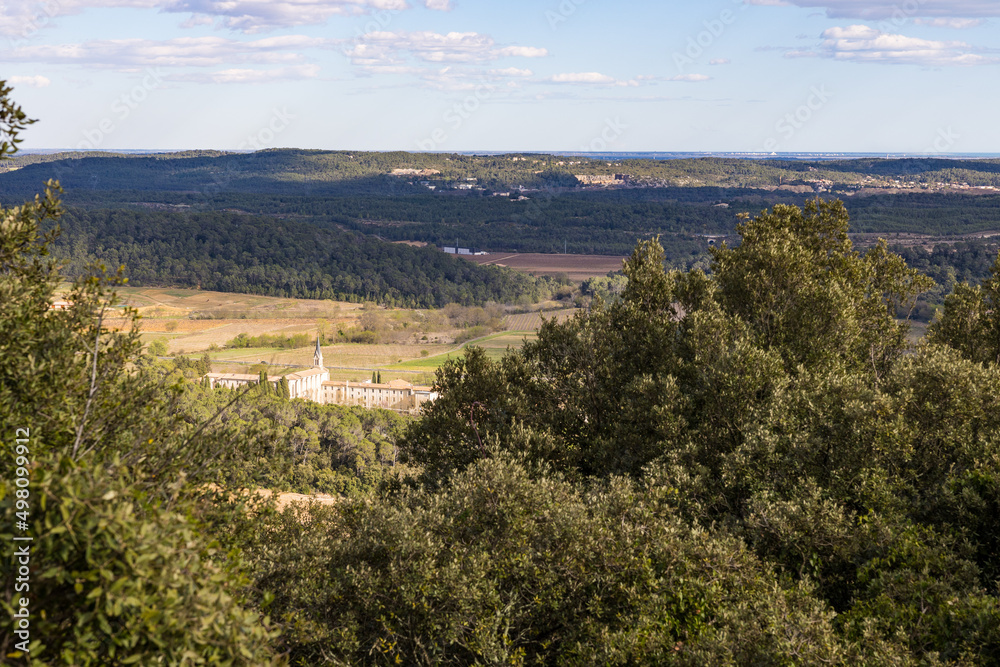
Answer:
x=577 y=267
x=421 y=377
x=174 y=302
x=533 y=321
x=284 y=499
x=909 y=239
x=199 y=340
x=350 y=355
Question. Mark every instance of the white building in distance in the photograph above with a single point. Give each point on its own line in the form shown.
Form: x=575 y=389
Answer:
x=315 y=385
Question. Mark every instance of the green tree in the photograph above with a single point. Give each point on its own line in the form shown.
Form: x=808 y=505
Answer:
x=157 y=348
x=507 y=567
x=970 y=322
x=120 y=573
x=797 y=282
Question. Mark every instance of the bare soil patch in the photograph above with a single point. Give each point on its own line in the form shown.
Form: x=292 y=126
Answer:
x=577 y=267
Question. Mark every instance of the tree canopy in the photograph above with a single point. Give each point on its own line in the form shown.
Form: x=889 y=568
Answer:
x=780 y=402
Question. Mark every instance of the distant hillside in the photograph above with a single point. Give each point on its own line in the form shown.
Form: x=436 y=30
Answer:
x=239 y=253
x=521 y=202
x=317 y=172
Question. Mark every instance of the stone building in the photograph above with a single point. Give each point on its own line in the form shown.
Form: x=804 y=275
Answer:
x=315 y=385
x=394 y=395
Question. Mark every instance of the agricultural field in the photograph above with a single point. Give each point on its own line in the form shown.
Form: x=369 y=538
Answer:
x=576 y=267
x=202 y=304
x=533 y=321
x=341 y=355
x=496 y=346
x=196 y=322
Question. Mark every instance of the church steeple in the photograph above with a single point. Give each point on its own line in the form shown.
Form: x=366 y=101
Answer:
x=318 y=356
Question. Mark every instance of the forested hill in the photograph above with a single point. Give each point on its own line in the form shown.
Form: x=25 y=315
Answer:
x=316 y=171
x=526 y=202
x=239 y=253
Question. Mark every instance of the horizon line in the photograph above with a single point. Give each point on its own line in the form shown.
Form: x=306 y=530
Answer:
x=623 y=153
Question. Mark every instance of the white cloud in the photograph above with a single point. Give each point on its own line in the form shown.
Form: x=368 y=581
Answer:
x=384 y=48
x=691 y=78
x=462 y=78
x=719 y=61
x=31 y=81
x=582 y=77
x=894 y=9
x=598 y=79
x=860 y=43
x=251 y=16
x=20 y=19
x=957 y=24
x=23 y=18
x=523 y=52
x=511 y=71
x=281 y=74
x=180 y=52
x=593 y=78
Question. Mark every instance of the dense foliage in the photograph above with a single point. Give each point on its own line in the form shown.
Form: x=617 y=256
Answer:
x=776 y=400
x=119 y=572
x=506 y=567
x=948 y=264
x=237 y=253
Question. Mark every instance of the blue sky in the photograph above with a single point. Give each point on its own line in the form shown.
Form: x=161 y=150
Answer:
x=914 y=76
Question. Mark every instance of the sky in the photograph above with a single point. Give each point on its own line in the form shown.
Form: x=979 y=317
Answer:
x=913 y=76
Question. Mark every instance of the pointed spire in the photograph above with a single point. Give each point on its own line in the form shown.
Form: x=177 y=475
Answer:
x=318 y=356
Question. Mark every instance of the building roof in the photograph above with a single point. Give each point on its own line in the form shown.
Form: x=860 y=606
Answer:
x=298 y=375
x=239 y=377
x=248 y=377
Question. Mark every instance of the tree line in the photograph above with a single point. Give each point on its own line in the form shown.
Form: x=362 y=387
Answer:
x=230 y=252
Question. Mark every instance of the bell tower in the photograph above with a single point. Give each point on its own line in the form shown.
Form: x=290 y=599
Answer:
x=318 y=356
